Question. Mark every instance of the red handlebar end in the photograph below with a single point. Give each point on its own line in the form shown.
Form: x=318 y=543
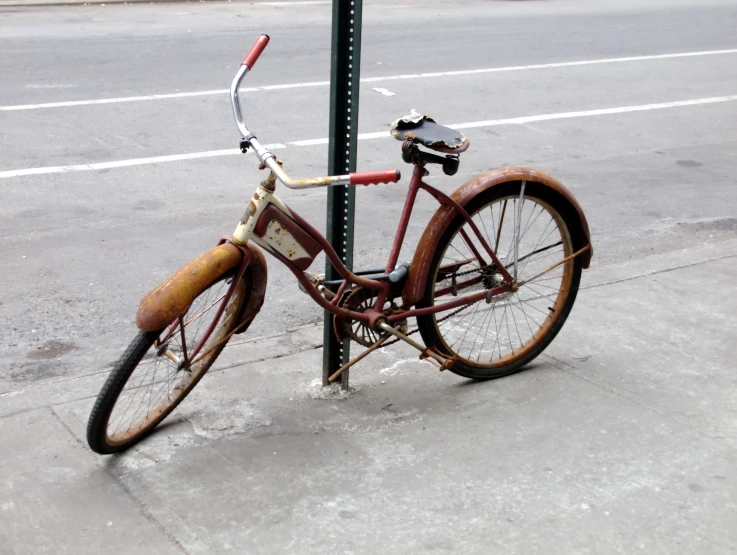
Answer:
x=255 y=51
x=372 y=178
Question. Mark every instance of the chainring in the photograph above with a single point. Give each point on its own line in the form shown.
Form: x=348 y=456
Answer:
x=356 y=299
x=359 y=299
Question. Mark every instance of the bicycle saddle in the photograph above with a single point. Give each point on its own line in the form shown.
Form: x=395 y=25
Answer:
x=424 y=131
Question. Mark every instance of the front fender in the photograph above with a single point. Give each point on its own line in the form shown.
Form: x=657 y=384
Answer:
x=164 y=303
x=414 y=289
x=257 y=293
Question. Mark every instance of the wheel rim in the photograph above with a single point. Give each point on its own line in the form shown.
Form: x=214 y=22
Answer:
x=489 y=335
x=162 y=377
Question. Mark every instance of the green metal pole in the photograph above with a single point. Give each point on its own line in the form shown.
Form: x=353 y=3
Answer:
x=345 y=70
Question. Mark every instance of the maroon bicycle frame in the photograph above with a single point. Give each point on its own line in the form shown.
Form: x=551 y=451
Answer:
x=382 y=286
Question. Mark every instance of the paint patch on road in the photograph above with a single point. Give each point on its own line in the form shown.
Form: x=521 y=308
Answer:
x=385 y=92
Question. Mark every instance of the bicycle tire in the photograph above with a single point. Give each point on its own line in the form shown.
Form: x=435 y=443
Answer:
x=444 y=340
x=99 y=436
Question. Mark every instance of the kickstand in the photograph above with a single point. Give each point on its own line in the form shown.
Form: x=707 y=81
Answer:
x=350 y=363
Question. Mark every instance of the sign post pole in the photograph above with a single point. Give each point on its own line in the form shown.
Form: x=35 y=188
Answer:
x=344 y=84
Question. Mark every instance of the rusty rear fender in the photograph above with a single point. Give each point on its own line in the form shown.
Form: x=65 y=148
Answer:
x=415 y=286
x=164 y=303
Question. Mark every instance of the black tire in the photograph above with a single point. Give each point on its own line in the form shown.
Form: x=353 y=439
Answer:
x=454 y=322
x=103 y=435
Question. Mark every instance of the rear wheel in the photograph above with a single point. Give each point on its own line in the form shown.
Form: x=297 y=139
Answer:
x=160 y=368
x=497 y=338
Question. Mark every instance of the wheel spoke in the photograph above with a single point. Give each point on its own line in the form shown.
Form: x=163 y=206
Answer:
x=157 y=383
x=493 y=336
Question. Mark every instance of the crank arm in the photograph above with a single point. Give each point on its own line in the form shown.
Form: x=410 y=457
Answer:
x=441 y=361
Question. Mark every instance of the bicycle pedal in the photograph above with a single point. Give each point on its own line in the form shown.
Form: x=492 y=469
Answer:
x=433 y=356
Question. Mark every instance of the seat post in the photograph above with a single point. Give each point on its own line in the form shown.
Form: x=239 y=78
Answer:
x=414 y=185
x=412 y=154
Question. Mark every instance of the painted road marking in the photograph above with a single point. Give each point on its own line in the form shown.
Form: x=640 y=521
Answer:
x=297 y=3
x=368 y=136
x=214 y=92
x=132 y=162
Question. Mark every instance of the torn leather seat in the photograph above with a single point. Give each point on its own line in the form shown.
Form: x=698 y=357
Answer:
x=423 y=130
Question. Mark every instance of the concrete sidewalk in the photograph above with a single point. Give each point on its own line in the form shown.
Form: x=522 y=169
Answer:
x=621 y=438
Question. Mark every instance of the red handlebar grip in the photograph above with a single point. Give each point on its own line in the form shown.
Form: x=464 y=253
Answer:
x=372 y=178
x=255 y=51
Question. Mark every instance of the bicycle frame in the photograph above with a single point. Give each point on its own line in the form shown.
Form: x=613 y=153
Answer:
x=265 y=197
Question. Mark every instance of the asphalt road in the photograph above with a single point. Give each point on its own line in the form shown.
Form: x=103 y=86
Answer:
x=79 y=248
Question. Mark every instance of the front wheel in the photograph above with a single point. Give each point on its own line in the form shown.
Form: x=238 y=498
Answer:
x=160 y=368
x=535 y=227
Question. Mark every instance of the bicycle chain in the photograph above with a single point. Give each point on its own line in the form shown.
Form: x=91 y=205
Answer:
x=467 y=272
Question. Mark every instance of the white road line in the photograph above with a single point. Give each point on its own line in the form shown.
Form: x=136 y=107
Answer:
x=367 y=136
x=310 y=142
x=296 y=3
x=132 y=162
x=589 y=113
x=18 y=107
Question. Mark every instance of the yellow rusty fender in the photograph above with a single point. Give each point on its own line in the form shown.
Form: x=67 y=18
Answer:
x=414 y=289
x=164 y=303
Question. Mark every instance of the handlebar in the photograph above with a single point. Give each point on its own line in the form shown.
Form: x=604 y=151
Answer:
x=375 y=177
x=255 y=51
x=268 y=159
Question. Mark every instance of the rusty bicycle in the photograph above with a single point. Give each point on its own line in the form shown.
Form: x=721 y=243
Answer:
x=492 y=280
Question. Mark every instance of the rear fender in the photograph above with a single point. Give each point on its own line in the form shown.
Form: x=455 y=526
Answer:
x=416 y=281
x=163 y=304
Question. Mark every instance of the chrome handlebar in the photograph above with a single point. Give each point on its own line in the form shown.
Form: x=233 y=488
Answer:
x=236 y=103
x=264 y=155
x=268 y=159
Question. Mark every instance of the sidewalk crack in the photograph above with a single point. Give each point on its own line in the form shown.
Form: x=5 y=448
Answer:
x=66 y=426
x=618 y=390
x=655 y=272
x=145 y=512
